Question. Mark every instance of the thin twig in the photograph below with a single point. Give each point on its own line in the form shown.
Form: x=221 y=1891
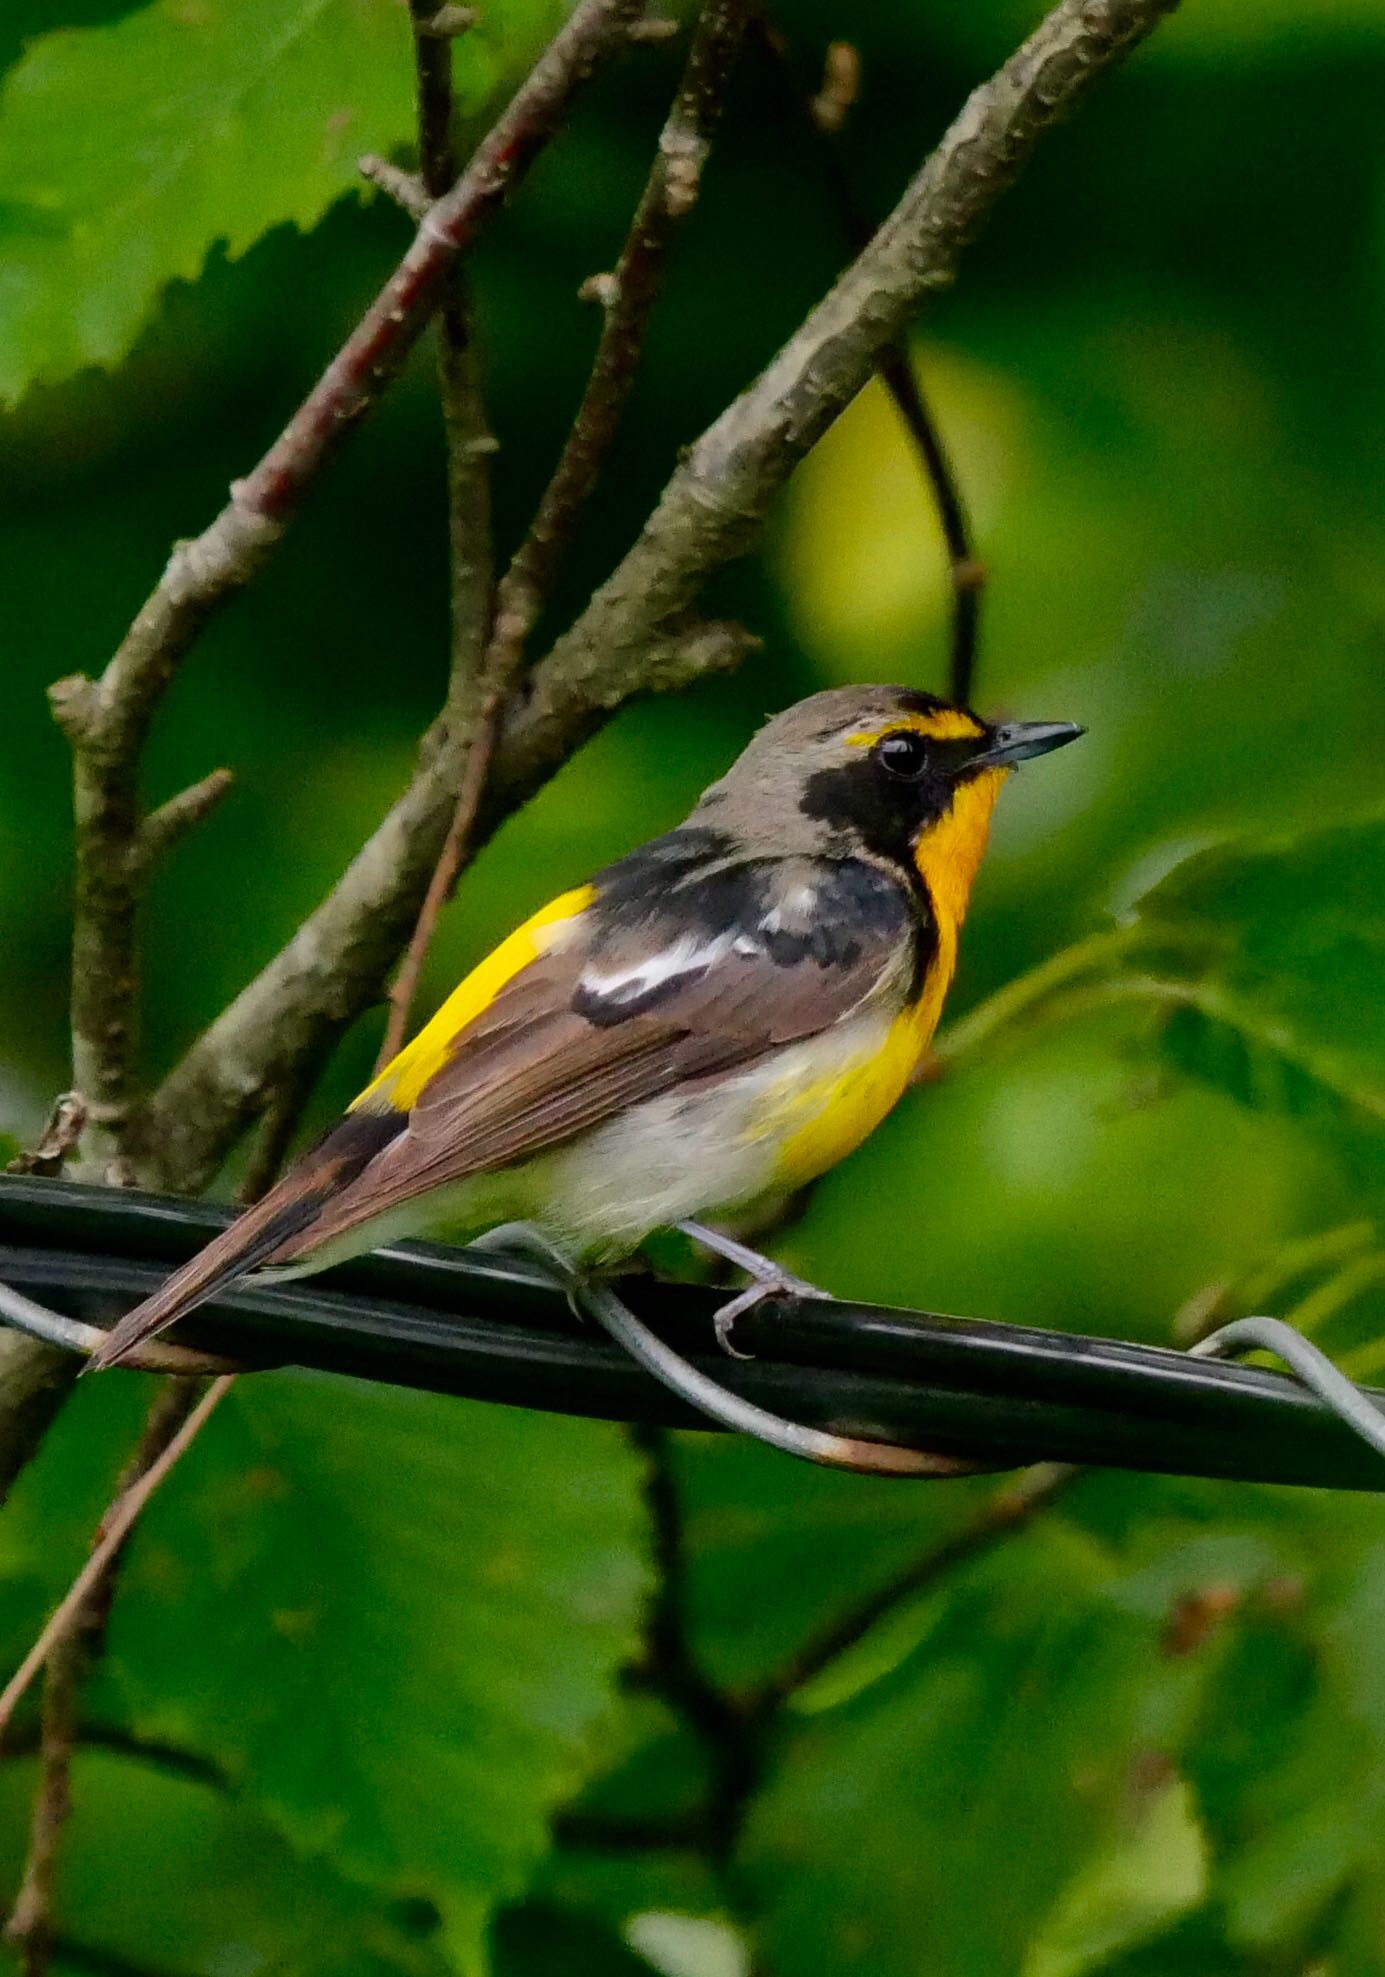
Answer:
x=116 y=1526
x=30 y=1924
x=826 y=111
x=628 y=298
x=404 y=188
x=471 y=568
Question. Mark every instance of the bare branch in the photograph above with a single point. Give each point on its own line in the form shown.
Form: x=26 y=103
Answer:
x=628 y=297
x=472 y=691
x=718 y=498
x=30 y=1924
x=635 y=635
x=404 y=188
x=107 y=721
x=163 y=827
x=826 y=113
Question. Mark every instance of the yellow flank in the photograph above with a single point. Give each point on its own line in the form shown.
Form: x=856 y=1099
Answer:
x=948 y=724
x=405 y=1076
x=844 y=1108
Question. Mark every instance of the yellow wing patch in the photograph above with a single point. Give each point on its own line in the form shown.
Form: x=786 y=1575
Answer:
x=948 y=724
x=405 y=1076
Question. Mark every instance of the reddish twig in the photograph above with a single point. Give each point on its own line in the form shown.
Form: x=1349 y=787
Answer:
x=378 y=345
x=627 y=297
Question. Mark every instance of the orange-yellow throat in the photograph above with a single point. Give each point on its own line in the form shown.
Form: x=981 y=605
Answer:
x=948 y=855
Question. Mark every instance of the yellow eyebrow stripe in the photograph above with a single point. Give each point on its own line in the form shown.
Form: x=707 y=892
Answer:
x=948 y=724
x=405 y=1076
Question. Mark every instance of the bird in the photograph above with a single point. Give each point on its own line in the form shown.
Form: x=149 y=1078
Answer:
x=716 y=1018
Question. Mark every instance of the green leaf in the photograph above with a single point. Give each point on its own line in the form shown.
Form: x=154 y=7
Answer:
x=926 y=1825
x=166 y=1872
x=128 y=152
x=397 y=1620
x=1151 y=1875
x=1271 y=959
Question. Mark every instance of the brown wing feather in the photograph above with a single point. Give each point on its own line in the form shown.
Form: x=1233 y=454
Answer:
x=548 y=1059
x=523 y=1079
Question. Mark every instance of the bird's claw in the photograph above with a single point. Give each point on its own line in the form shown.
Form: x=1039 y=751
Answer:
x=781 y=1284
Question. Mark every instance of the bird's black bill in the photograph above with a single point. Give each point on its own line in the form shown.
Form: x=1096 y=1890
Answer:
x=1017 y=741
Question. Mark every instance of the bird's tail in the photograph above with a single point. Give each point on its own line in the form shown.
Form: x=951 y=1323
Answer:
x=282 y=1218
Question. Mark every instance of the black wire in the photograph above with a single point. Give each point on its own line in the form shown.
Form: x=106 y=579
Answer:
x=453 y=1322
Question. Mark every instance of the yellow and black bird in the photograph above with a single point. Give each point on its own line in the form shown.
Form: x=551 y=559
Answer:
x=721 y=1015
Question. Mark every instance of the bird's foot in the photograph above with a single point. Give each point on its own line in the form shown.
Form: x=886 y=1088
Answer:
x=767 y=1279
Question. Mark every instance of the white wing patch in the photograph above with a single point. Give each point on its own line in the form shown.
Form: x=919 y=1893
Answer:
x=688 y=955
x=793 y=913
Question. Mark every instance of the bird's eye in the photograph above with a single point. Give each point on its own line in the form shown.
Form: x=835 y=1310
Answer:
x=903 y=754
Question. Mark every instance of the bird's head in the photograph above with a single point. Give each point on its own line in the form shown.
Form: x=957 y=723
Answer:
x=889 y=770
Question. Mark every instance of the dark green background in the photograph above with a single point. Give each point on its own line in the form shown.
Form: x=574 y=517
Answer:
x=1161 y=380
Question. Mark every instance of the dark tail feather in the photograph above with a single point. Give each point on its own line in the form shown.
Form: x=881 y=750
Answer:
x=288 y=1210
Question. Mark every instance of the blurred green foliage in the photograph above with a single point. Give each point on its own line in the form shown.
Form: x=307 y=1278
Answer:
x=369 y=1644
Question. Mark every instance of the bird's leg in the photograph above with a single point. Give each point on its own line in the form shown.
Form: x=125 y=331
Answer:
x=594 y=1300
x=767 y=1279
x=525 y=1240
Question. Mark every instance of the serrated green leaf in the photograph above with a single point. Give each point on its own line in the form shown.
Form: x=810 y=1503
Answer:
x=875 y=1848
x=128 y=152
x=1274 y=967
x=396 y=1619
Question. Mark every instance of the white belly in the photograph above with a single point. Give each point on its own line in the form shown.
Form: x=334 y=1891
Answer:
x=686 y=1154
